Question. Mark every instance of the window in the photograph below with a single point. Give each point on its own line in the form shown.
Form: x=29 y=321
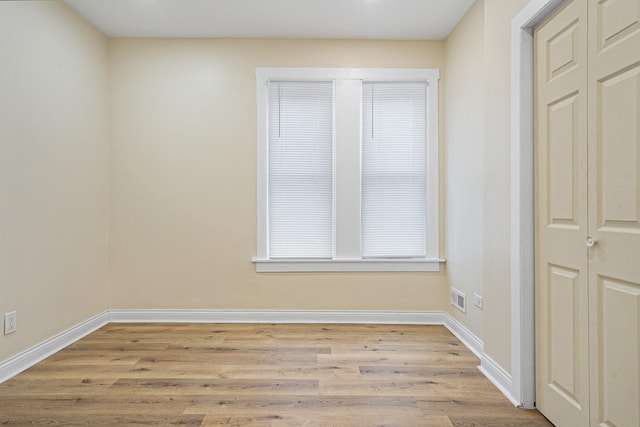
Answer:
x=300 y=180
x=347 y=170
x=393 y=169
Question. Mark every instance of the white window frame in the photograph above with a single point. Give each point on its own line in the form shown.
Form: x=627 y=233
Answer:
x=347 y=170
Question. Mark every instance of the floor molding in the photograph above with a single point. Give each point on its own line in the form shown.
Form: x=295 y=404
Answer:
x=467 y=337
x=499 y=377
x=278 y=316
x=26 y=359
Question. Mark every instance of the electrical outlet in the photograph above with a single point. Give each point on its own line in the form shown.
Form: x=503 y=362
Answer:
x=10 y=322
x=477 y=300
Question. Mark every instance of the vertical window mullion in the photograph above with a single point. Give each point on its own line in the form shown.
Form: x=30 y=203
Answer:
x=348 y=100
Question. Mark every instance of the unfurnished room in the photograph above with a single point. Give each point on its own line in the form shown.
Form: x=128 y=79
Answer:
x=320 y=213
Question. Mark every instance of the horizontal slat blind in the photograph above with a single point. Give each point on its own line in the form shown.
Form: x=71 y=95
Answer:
x=393 y=169
x=300 y=189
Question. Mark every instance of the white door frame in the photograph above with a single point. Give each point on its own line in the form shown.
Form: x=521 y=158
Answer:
x=523 y=377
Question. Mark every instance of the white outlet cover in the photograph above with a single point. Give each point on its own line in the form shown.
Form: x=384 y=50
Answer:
x=477 y=300
x=10 y=322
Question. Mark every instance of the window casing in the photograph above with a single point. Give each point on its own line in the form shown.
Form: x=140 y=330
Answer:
x=362 y=169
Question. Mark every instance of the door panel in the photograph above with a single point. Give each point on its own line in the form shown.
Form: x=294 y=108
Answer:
x=619 y=353
x=562 y=55
x=562 y=162
x=614 y=21
x=614 y=211
x=562 y=360
x=563 y=344
x=618 y=153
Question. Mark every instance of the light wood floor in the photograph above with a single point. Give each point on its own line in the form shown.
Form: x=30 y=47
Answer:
x=260 y=375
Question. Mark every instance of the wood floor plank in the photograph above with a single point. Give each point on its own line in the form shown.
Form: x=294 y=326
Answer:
x=302 y=405
x=27 y=387
x=297 y=371
x=132 y=420
x=97 y=405
x=393 y=358
x=378 y=387
x=181 y=386
x=96 y=410
x=228 y=348
x=260 y=375
x=218 y=356
x=442 y=373
x=318 y=420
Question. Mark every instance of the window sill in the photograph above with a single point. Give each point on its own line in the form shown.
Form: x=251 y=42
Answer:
x=339 y=265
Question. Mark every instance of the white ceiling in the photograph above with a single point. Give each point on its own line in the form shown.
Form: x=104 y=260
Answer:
x=324 y=19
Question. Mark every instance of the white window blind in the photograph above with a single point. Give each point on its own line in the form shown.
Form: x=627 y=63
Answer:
x=300 y=163
x=393 y=169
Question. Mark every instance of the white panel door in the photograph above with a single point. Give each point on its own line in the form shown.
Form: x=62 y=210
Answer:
x=588 y=214
x=562 y=290
x=614 y=211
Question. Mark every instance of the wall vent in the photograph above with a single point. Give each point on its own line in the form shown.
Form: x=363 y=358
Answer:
x=458 y=300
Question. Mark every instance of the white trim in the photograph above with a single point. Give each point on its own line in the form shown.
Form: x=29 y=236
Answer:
x=262 y=88
x=26 y=359
x=346 y=208
x=279 y=316
x=395 y=74
x=498 y=376
x=522 y=384
x=302 y=265
x=433 y=165
x=467 y=338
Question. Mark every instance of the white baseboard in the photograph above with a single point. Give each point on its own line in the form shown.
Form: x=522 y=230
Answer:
x=498 y=376
x=278 y=316
x=26 y=359
x=461 y=332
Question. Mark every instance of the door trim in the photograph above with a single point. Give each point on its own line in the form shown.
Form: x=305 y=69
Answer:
x=523 y=379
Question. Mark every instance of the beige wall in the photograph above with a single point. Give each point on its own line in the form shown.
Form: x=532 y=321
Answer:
x=183 y=178
x=53 y=171
x=465 y=151
x=478 y=169
x=497 y=193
